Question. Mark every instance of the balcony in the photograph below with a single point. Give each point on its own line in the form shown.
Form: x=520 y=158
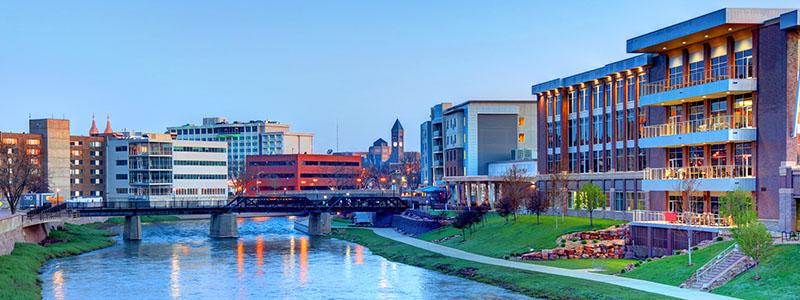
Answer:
x=711 y=83
x=437 y=134
x=681 y=219
x=707 y=178
x=437 y=148
x=710 y=130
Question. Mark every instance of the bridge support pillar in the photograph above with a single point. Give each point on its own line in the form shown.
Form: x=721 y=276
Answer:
x=223 y=226
x=132 y=230
x=319 y=223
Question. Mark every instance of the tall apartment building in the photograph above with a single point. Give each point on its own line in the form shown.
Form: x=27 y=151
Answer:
x=246 y=138
x=713 y=99
x=462 y=142
x=153 y=167
x=432 y=146
x=87 y=166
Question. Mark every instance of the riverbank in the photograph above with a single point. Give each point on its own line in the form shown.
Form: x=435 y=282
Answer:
x=19 y=270
x=530 y=283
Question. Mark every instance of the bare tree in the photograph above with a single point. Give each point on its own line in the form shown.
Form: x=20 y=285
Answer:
x=537 y=204
x=20 y=172
x=516 y=186
x=559 y=180
x=687 y=184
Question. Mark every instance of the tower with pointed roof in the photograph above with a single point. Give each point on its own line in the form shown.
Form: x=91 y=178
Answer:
x=108 y=125
x=397 y=143
x=93 y=131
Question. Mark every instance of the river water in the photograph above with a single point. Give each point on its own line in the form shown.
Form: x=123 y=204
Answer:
x=270 y=260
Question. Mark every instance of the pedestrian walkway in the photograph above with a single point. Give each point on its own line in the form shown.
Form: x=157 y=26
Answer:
x=643 y=285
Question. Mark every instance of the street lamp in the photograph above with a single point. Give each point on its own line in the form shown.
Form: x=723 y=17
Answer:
x=58 y=201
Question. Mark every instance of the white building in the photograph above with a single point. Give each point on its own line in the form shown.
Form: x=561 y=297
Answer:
x=246 y=138
x=153 y=167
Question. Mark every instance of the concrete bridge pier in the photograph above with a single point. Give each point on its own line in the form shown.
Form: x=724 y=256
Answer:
x=319 y=223
x=223 y=226
x=132 y=230
x=383 y=219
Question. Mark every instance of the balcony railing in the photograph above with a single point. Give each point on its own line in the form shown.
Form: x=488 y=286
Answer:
x=706 y=172
x=702 y=125
x=691 y=79
x=682 y=218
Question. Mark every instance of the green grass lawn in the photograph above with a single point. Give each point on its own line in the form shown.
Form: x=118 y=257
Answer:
x=533 y=284
x=612 y=265
x=672 y=270
x=144 y=219
x=780 y=277
x=18 y=271
x=341 y=222
x=496 y=238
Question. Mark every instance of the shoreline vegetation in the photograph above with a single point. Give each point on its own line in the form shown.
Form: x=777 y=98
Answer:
x=534 y=284
x=19 y=270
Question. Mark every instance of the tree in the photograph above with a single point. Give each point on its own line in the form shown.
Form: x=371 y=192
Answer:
x=738 y=206
x=687 y=184
x=463 y=221
x=754 y=241
x=559 y=180
x=504 y=207
x=753 y=238
x=516 y=186
x=536 y=204
x=589 y=198
x=20 y=172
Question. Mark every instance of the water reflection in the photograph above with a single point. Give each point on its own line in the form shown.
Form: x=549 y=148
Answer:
x=269 y=261
x=58 y=284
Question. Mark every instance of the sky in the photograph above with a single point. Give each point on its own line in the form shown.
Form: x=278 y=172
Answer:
x=317 y=65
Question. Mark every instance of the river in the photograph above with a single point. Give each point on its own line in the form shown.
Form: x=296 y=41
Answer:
x=270 y=260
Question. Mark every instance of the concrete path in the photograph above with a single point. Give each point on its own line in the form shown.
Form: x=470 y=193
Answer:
x=615 y=280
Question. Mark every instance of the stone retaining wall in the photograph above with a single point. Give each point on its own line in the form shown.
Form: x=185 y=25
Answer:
x=413 y=226
x=611 y=243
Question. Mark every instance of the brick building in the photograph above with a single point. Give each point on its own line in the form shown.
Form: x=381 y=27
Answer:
x=302 y=172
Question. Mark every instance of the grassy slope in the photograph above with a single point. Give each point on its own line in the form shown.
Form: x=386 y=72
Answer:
x=341 y=222
x=780 y=277
x=515 y=237
x=530 y=283
x=672 y=270
x=119 y=220
x=18 y=271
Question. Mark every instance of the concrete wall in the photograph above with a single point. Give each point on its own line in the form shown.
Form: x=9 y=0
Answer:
x=411 y=226
x=497 y=136
x=57 y=162
x=10 y=233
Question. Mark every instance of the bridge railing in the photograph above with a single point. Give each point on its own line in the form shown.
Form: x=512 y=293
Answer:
x=176 y=204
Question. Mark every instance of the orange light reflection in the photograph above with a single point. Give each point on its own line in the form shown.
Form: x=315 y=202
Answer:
x=303 y=259
x=58 y=284
x=359 y=254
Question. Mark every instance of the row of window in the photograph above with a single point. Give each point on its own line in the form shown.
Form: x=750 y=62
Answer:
x=599 y=161
x=198 y=149
x=80 y=152
x=78 y=162
x=200 y=176
x=579 y=133
x=205 y=163
x=617 y=201
x=13 y=141
x=91 y=144
x=91 y=193
x=80 y=171
x=597 y=95
x=80 y=181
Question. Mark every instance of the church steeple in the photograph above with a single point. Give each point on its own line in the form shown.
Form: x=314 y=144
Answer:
x=93 y=130
x=108 y=125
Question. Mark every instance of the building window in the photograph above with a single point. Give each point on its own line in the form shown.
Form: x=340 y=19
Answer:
x=696 y=63
x=521 y=121
x=584 y=130
x=620 y=92
x=75 y=171
x=620 y=125
x=609 y=132
x=696 y=111
x=641 y=201
x=584 y=94
x=631 y=159
x=573 y=162
x=597 y=97
x=558 y=105
x=9 y=141
x=597 y=128
x=550 y=135
x=550 y=112
x=608 y=161
x=696 y=156
x=631 y=88
x=675 y=158
x=597 y=161
x=573 y=132
x=572 y=102
x=743 y=110
x=557 y=134
x=121 y=148
x=585 y=162
x=743 y=58
x=642 y=120
x=631 y=126
x=719 y=62
x=76 y=152
x=521 y=138
x=620 y=164
x=609 y=94
x=675 y=203
x=619 y=201
x=642 y=159
x=122 y=162
x=719 y=155
x=33 y=142
x=630 y=198
x=676 y=70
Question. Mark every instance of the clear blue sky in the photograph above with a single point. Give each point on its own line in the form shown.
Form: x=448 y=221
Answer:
x=153 y=64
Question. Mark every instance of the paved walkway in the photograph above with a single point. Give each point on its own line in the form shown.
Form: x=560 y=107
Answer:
x=616 y=280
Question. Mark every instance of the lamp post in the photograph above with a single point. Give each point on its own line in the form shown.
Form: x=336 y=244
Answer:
x=58 y=200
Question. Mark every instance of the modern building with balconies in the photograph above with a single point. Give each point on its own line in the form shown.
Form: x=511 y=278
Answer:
x=712 y=100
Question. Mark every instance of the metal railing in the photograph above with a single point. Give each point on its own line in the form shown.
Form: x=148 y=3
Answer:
x=701 y=125
x=705 y=172
x=682 y=218
x=721 y=257
x=51 y=216
x=690 y=79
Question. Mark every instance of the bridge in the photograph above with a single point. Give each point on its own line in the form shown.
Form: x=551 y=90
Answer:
x=317 y=204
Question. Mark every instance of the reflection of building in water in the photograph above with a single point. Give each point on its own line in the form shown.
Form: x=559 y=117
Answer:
x=174 y=276
x=303 y=259
x=260 y=255
x=240 y=258
x=359 y=254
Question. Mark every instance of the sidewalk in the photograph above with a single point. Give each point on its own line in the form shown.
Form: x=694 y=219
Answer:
x=647 y=286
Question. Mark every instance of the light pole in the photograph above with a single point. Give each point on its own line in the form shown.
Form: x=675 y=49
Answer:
x=58 y=200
